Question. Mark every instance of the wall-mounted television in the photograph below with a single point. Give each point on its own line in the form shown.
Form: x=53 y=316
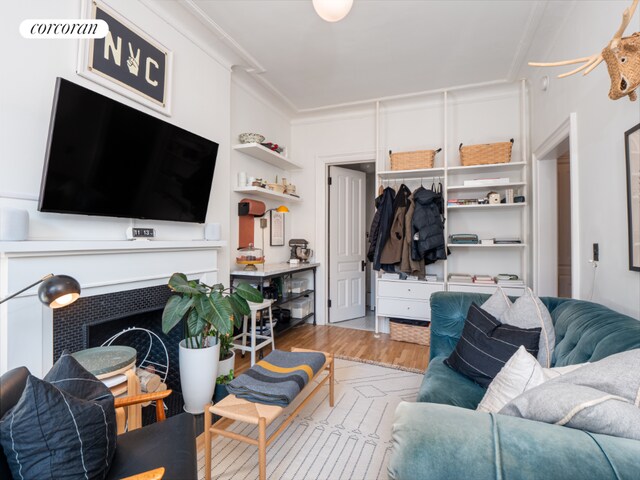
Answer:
x=105 y=158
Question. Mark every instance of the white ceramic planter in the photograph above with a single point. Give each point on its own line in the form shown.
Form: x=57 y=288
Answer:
x=198 y=373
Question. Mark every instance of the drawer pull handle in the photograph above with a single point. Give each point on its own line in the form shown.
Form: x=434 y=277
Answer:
x=408 y=289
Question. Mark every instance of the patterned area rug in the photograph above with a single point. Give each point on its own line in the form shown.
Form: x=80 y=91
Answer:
x=352 y=440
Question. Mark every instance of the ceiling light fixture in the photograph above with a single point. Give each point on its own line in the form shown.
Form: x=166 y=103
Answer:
x=332 y=10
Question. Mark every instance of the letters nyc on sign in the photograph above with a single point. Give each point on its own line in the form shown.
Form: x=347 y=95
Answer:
x=127 y=61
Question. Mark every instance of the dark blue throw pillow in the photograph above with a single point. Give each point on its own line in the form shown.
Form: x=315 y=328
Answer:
x=63 y=427
x=486 y=344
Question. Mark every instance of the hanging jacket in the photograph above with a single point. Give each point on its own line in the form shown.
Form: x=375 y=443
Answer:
x=374 y=230
x=427 y=227
x=392 y=251
x=386 y=216
x=407 y=264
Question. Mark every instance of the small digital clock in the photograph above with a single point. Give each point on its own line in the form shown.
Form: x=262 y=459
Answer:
x=135 y=233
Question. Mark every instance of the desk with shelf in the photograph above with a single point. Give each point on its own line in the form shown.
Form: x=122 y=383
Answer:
x=276 y=270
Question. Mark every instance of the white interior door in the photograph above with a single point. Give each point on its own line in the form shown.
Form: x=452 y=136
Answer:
x=346 y=244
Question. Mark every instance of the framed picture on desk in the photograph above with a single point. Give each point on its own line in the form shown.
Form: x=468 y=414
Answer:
x=276 y=237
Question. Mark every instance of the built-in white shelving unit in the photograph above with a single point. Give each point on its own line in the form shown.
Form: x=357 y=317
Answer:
x=473 y=118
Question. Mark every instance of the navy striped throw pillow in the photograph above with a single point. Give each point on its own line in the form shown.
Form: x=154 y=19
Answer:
x=486 y=344
x=63 y=427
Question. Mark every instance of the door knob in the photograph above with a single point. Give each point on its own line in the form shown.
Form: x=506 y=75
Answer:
x=363 y=264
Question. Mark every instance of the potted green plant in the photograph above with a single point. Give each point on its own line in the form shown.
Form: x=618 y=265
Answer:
x=209 y=312
x=225 y=367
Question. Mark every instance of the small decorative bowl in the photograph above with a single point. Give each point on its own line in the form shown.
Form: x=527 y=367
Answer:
x=251 y=138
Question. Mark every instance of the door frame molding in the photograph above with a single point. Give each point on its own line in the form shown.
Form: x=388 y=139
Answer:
x=548 y=150
x=322 y=164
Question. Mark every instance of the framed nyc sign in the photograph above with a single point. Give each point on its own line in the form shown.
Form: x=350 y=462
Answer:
x=126 y=60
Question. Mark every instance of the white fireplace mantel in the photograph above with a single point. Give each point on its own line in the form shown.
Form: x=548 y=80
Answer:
x=26 y=328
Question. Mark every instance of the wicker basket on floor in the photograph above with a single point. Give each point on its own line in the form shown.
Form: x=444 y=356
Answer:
x=486 y=154
x=410 y=331
x=413 y=160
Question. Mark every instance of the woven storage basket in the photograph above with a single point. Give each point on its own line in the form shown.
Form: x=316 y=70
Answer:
x=412 y=160
x=410 y=331
x=486 y=153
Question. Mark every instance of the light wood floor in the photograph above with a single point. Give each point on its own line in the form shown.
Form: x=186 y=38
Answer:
x=348 y=342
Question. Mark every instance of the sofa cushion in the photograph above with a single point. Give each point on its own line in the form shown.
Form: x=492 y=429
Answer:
x=529 y=312
x=497 y=304
x=62 y=427
x=486 y=344
x=155 y=446
x=602 y=397
x=521 y=373
x=441 y=384
x=444 y=442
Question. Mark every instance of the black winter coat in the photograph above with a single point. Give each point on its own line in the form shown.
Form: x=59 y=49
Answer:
x=380 y=226
x=427 y=226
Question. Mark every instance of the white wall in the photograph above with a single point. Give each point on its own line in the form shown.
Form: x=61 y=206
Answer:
x=253 y=111
x=200 y=104
x=349 y=136
x=602 y=122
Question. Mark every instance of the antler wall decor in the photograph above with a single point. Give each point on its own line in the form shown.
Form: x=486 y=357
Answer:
x=622 y=56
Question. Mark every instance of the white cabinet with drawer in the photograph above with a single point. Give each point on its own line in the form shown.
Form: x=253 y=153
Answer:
x=404 y=299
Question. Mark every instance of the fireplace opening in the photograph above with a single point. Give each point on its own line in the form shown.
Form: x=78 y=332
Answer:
x=91 y=321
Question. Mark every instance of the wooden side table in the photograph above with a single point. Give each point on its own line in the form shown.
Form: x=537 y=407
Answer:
x=115 y=366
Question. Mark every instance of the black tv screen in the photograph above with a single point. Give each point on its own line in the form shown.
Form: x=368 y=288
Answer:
x=105 y=158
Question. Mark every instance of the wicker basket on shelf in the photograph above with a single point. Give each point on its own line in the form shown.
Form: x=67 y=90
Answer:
x=410 y=331
x=486 y=154
x=412 y=160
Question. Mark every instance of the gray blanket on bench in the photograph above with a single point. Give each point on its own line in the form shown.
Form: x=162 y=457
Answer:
x=278 y=378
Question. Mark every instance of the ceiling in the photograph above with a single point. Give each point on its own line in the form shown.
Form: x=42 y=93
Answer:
x=381 y=49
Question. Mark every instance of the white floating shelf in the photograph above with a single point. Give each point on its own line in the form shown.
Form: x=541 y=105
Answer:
x=488 y=206
x=263 y=192
x=484 y=187
x=479 y=285
x=486 y=168
x=418 y=173
x=495 y=245
x=263 y=153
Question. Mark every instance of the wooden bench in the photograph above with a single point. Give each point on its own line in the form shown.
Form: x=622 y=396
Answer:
x=233 y=409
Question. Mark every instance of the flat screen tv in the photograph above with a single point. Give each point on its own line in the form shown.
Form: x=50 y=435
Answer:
x=105 y=158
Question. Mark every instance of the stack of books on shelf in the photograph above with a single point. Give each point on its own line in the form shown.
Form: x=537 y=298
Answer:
x=509 y=279
x=462 y=201
x=484 y=279
x=390 y=276
x=460 y=277
x=507 y=240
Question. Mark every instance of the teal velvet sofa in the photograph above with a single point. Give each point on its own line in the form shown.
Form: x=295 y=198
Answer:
x=441 y=436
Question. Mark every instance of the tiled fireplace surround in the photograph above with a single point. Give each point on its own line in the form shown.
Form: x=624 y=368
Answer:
x=71 y=325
